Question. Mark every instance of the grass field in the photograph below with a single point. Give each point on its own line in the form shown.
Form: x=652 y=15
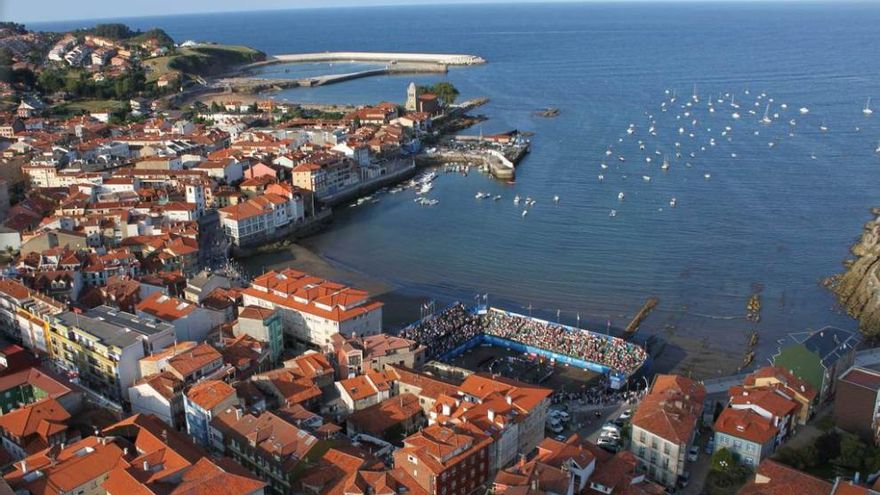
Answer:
x=202 y=60
x=91 y=106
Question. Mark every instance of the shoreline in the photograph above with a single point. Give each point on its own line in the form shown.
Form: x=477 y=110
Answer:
x=679 y=354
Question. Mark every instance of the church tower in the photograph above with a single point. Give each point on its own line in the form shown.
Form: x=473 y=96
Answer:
x=412 y=98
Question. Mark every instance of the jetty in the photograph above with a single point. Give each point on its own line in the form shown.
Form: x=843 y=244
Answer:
x=380 y=57
x=643 y=313
x=253 y=84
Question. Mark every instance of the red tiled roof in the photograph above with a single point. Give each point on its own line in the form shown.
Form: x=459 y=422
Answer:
x=745 y=424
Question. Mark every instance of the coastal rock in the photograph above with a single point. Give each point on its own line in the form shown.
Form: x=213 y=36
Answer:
x=858 y=288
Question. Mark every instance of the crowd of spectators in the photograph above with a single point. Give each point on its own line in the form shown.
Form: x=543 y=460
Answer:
x=446 y=330
x=617 y=354
x=456 y=325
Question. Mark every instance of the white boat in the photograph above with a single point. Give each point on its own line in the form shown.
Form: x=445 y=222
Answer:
x=607 y=152
x=804 y=110
x=665 y=165
x=620 y=196
x=497 y=197
x=792 y=122
x=672 y=202
x=771 y=144
x=613 y=213
x=647 y=159
x=516 y=199
x=601 y=177
x=877 y=149
x=783 y=106
x=425 y=189
x=766 y=119
x=707 y=176
x=603 y=166
x=556 y=199
x=621 y=158
x=812 y=156
x=646 y=178
x=481 y=195
x=823 y=128
x=524 y=213
x=733 y=155
x=867 y=110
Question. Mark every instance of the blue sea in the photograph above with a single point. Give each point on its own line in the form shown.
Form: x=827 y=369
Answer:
x=777 y=219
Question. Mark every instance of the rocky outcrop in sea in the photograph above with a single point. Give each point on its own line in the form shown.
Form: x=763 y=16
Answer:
x=858 y=288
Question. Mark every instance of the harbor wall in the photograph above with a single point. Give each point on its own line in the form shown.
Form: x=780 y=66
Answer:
x=439 y=58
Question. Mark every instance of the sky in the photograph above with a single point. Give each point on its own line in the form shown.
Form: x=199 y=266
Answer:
x=58 y=10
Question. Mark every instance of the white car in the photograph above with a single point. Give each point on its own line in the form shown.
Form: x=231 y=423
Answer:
x=610 y=435
x=693 y=453
x=562 y=415
x=611 y=427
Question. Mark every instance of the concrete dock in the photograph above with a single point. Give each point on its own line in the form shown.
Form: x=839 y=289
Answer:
x=381 y=57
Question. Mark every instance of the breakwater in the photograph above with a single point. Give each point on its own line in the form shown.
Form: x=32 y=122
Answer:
x=383 y=57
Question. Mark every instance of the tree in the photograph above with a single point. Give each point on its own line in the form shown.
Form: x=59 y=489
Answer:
x=828 y=446
x=723 y=460
x=50 y=81
x=446 y=92
x=215 y=107
x=852 y=453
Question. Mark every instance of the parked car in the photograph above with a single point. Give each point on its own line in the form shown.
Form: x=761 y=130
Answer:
x=564 y=416
x=624 y=417
x=693 y=453
x=608 y=445
x=560 y=438
x=710 y=446
x=684 y=479
x=555 y=427
x=610 y=434
x=611 y=427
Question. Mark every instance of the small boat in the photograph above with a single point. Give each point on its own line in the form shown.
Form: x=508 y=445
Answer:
x=771 y=144
x=804 y=110
x=556 y=199
x=783 y=106
x=620 y=196
x=524 y=213
x=812 y=156
x=621 y=158
x=707 y=176
x=867 y=110
x=672 y=202
x=877 y=149
x=733 y=155
x=766 y=119
x=516 y=199
x=613 y=213
x=823 y=128
x=665 y=165
x=603 y=166
x=646 y=178
x=481 y=195
x=601 y=177
x=792 y=122
x=497 y=197
x=647 y=159
x=607 y=152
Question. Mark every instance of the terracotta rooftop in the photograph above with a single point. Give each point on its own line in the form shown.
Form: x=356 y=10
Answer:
x=745 y=424
x=207 y=394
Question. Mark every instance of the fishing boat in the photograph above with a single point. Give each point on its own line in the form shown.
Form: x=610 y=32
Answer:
x=516 y=199
x=823 y=128
x=620 y=196
x=481 y=195
x=665 y=165
x=524 y=213
x=646 y=178
x=556 y=199
x=601 y=177
x=707 y=176
x=804 y=110
x=621 y=158
x=613 y=213
x=672 y=202
x=497 y=198
x=867 y=110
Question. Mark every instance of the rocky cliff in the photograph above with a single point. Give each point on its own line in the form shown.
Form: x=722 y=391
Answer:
x=858 y=288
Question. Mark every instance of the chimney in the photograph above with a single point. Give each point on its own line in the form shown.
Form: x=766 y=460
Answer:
x=24 y=466
x=238 y=414
x=491 y=415
x=446 y=410
x=509 y=399
x=146 y=465
x=125 y=451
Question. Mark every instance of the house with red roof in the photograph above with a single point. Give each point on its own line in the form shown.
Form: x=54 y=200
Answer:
x=748 y=435
x=312 y=309
x=446 y=459
x=665 y=425
x=774 y=478
x=190 y=322
x=35 y=427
